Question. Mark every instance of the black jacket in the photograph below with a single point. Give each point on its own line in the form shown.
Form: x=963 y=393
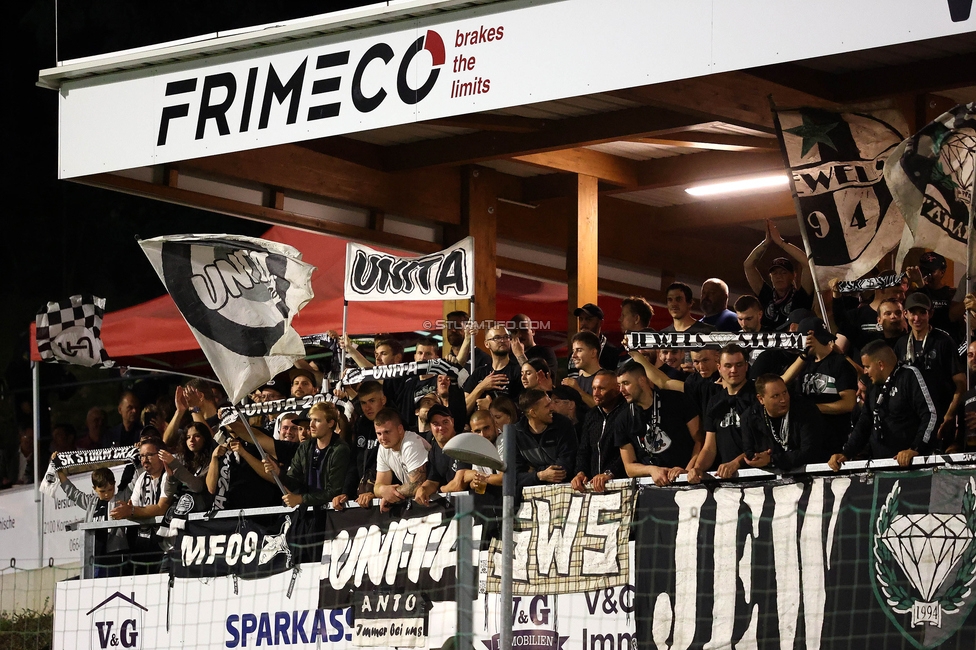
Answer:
x=806 y=431
x=597 y=452
x=906 y=417
x=556 y=445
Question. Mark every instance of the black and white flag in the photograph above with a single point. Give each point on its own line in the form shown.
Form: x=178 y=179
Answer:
x=836 y=162
x=882 y=281
x=715 y=340
x=931 y=176
x=69 y=331
x=238 y=295
x=374 y=275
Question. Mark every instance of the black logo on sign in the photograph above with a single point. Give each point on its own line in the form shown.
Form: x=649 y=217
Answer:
x=959 y=10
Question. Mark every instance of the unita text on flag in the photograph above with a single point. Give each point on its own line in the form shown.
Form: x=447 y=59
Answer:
x=239 y=295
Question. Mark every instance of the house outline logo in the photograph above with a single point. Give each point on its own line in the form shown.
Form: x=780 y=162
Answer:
x=114 y=627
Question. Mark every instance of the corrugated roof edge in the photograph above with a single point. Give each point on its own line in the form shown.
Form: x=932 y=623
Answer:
x=248 y=37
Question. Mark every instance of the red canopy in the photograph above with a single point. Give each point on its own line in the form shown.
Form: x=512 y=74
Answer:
x=156 y=328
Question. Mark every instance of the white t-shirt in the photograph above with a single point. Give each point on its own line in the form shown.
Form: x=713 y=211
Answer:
x=412 y=454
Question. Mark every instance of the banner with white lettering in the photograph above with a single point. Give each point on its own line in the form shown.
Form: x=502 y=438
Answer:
x=238 y=295
x=567 y=541
x=287 y=405
x=410 y=369
x=715 y=340
x=373 y=275
x=836 y=162
x=409 y=548
x=881 y=561
x=932 y=176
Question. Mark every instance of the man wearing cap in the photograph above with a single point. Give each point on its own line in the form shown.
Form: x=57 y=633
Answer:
x=785 y=291
x=898 y=419
x=303 y=382
x=443 y=472
x=934 y=353
x=929 y=278
x=591 y=320
x=776 y=360
x=289 y=427
x=825 y=377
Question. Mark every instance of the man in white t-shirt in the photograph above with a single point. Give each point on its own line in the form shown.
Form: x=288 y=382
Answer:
x=401 y=453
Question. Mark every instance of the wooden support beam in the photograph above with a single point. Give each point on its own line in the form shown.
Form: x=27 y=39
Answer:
x=268 y=215
x=430 y=195
x=713 y=141
x=582 y=252
x=603 y=166
x=490 y=122
x=480 y=219
x=557 y=134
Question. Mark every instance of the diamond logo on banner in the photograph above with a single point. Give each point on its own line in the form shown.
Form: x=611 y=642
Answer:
x=927 y=547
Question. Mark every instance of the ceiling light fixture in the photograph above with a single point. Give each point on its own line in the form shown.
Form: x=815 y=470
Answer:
x=744 y=185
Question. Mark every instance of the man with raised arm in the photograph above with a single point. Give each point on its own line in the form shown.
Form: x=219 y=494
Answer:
x=402 y=454
x=899 y=418
x=663 y=435
x=790 y=285
x=723 y=417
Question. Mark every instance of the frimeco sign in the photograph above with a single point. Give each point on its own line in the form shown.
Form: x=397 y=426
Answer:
x=494 y=56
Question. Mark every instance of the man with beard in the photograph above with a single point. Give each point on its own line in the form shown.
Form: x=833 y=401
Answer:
x=789 y=287
x=598 y=458
x=934 y=353
x=443 y=472
x=700 y=386
x=147 y=501
x=723 y=417
x=825 y=376
x=899 y=418
x=413 y=388
x=591 y=320
x=781 y=431
x=929 y=278
x=460 y=343
x=502 y=375
x=662 y=434
x=858 y=321
x=715 y=305
x=546 y=442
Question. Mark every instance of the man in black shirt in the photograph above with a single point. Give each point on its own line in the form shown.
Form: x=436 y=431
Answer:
x=127 y=431
x=934 y=353
x=723 y=417
x=663 y=435
x=443 y=472
x=969 y=440
x=598 y=458
x=459 y=343
x=790 y=284
x=586 y=361
x=362 y=471
x=858 y=321
x=591 y=320
x=635 y=315
x=929 y=278
x=503 y=375
x=680 y=300
x=524 y=346
x=899 y=418
x=827 y=378
x=780 y=431
x=546 y=442
x=776 y=360
x=699 y=386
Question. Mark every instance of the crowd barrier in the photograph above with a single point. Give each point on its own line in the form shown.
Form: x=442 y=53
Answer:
x=875 y=556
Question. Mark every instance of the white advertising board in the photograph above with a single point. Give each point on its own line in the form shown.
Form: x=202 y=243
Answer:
x=497 y=56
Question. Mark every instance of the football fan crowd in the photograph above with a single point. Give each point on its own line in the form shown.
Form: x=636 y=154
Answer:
x=888 y=380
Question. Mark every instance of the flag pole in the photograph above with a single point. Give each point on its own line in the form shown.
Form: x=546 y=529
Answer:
x=38 y=502
x=970 y=249
x=471 y=334
x=799 y=213
x=345 y=335
x=261 y=452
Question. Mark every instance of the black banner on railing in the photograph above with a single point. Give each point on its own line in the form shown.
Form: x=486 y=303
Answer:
x=407 y=549
x=874 y=562
x=716 y=340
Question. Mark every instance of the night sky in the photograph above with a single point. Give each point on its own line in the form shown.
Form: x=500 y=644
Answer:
x=63 y=238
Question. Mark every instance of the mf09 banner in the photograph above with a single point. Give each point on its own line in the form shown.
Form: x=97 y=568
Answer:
x=885 y=560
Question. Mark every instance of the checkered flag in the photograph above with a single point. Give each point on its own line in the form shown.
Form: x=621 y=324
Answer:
x=69 y=331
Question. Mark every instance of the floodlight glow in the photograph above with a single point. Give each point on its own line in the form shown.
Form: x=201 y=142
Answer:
x=744 y=185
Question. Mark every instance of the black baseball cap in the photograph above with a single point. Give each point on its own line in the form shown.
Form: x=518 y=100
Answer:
x=589 y=309
x=930 y=262
x=280 y=382
x=818 y=328
x=438 y=409
x=784 y=263
x=301 y=372
x=797 y=316
x=916 y=300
